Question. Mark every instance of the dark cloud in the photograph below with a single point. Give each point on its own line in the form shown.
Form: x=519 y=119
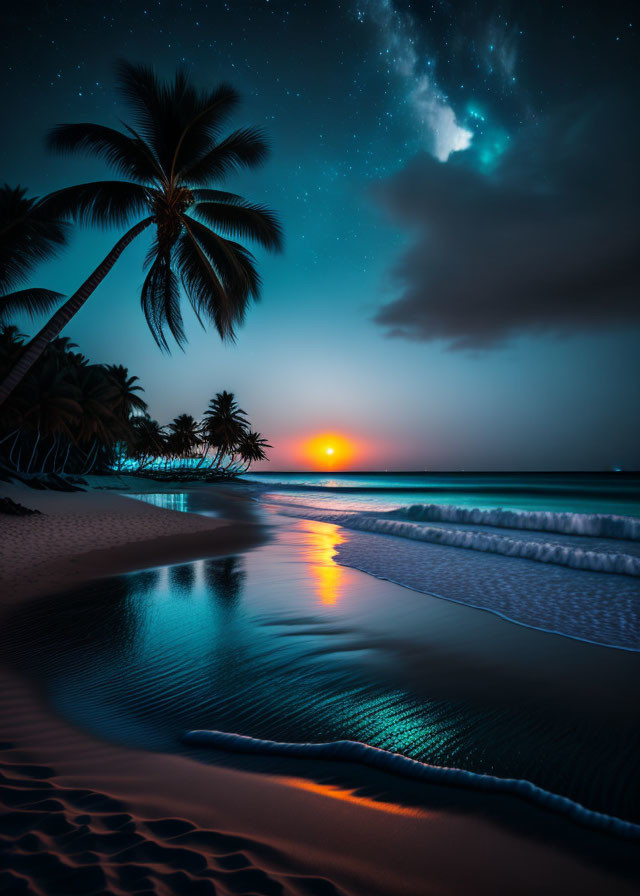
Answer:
x=547 y=241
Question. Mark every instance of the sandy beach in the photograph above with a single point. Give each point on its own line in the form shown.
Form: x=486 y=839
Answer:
x=87 y=816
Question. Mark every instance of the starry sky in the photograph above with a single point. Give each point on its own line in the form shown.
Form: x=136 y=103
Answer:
x=458 y=185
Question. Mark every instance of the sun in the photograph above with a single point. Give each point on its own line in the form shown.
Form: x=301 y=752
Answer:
x=328 y=451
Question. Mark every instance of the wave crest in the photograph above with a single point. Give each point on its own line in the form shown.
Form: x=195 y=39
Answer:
x=596 y=525
x=541 y=551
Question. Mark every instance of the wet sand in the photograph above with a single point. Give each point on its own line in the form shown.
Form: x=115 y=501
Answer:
x=83 y=816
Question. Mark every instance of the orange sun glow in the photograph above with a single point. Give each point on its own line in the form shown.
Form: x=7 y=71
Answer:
x=329 y=451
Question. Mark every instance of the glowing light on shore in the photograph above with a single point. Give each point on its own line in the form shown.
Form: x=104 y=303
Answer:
x=335 y=792
x=329 y=451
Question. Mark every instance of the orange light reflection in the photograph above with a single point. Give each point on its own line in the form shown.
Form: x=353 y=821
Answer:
x=334 y=792
x=323 y=538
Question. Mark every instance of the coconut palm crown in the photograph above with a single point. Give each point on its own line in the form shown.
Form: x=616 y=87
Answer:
x=224 y=422
x=167 y=159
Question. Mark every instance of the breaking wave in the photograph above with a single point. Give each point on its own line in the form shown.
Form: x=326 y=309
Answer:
x=595 y=525
x=593 y=560
x=396 y=763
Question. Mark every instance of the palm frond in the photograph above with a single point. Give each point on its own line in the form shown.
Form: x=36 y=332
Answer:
x=243 y=220
x=125 y=154
x=244 y=148
x=139 y=86
x=32 y=301
x=234 y=264
x=30 y=233
x=178 y=121
x=203 y=285
x=104 y=203
x=160 y=299
x=203 y=114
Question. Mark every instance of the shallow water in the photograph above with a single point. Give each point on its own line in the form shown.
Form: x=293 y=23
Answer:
x=556 y=552
x=285 y=644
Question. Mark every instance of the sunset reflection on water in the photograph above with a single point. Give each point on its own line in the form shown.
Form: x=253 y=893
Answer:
x=333 y=791
x=327 y=575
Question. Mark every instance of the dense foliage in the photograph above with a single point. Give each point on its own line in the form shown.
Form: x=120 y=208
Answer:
x=69 y=416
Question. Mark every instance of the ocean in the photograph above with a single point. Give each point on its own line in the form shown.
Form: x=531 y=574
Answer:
x=608 y=493
x=512 y=650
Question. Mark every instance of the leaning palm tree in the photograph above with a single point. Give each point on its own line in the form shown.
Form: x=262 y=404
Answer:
x=30 y=232
x=168 y=157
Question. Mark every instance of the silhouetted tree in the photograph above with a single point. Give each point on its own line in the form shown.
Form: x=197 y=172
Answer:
x=167 y=158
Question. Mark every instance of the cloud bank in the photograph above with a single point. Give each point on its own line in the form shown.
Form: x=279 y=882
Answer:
x=549 y=241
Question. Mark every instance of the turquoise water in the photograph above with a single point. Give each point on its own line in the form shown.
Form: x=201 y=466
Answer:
x=557 y=552
x=284 y=643
x=612 y=493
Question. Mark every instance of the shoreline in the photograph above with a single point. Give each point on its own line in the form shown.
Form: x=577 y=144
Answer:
x=303 y=837
x=80 y=536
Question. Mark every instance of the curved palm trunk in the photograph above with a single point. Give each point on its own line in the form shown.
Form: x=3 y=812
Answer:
x=64 y=314
x=90 y=460
x=44 y=462
x=33 y=453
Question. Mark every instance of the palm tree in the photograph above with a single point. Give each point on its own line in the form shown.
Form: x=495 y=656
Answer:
x=30 y=232
x=98 y=424
x=48 y=409
x=147 y=441
x=251 y=448
x=128 y=402
x=67 y=414
x=168 y=158
x=223 y=425
x=184 y=436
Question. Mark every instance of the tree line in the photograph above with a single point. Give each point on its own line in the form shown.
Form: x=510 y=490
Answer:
x=72 y=417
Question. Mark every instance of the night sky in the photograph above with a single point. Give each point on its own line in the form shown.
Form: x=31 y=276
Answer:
x=459 y=188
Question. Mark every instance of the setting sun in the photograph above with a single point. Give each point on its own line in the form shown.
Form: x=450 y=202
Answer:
x=327 y=451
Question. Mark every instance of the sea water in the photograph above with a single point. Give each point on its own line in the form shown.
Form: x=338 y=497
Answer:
x=286 y=643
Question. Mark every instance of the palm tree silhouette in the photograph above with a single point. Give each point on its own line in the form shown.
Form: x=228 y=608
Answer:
x=128 y=401
x=147 y=441
x=251 y=447
x=30 y=232
x=168 y=157
x=223 y=425
x=48 y=409
x=69 y=416
x=183 y=436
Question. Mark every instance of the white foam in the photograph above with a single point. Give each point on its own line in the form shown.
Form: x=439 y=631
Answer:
x=364 y=754
x=597 y=525
x=540 y=551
